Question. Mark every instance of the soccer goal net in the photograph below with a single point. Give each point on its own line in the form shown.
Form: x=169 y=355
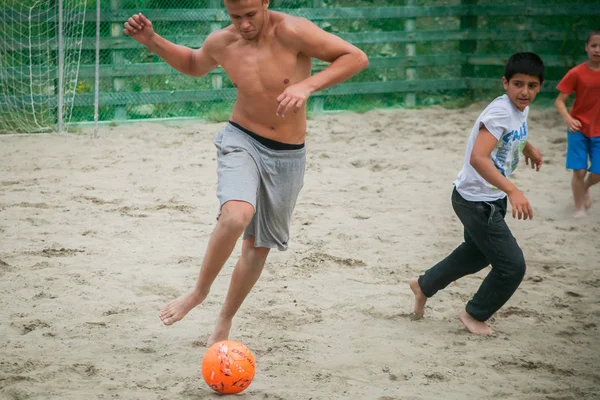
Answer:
x=40 y=50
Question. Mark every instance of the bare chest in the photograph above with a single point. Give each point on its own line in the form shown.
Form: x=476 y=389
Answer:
x=263 y=70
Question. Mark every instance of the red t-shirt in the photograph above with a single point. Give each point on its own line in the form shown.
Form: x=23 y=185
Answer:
x=586 y=85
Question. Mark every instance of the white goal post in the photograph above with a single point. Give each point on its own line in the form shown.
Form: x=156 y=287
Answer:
x=40 y=54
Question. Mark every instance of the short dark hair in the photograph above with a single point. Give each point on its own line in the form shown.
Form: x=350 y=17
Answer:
x=524 y=63
x=592 y=33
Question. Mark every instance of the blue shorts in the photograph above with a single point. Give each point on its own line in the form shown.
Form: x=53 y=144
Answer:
x=579 y=148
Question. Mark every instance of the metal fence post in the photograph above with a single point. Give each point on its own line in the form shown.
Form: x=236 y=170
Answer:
x=61 y=64
x=468 y=47
x=97 y=69
x=318 y=103
x=118 y=58
x=528 y=24
x=217 y=78
x=410 y=26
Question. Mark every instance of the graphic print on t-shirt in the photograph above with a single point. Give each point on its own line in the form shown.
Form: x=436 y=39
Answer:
x=506 y=153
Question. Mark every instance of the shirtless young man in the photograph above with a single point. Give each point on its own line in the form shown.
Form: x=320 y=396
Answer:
x=260 y=153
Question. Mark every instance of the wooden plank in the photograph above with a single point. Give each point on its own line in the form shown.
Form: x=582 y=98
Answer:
x=550 y=60
x=129 y=98
x=121 y=43
x=318 y=104
x=468 y=46
x=216 y=76
x=455 y=35
x=490 y=84
x=118 y=58
x=317 y=14
x=182 y=96
x=161 y=68
x=393 y=87
x=410 y=74
x=567 y=9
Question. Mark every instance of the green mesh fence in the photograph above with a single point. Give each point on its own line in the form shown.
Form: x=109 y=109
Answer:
x=422 y=52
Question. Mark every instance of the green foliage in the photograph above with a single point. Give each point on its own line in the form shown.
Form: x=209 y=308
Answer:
x=219 y=112
x=568 y=46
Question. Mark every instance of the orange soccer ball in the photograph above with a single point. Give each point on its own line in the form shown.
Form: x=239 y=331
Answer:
x=228 y=367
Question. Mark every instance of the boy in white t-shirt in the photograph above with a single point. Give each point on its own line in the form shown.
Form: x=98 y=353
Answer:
x=480 y=196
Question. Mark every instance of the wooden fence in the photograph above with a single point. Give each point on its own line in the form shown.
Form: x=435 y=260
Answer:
x=468 y=35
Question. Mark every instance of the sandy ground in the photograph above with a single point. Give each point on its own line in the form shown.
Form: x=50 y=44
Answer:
x=96 y=234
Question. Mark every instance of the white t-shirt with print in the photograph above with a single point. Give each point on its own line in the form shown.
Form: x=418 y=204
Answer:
x=509 y=126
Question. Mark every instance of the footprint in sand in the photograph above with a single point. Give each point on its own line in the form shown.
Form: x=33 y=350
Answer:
x=463 y=297
x=44 y=295
x=535 y=278
x=17 y=393
x=569 y=333
x=42 y=206
x=357 y=163
x=557 y=302
x=553 y=270
x=175 y=207
x=37 y=221
x=319 y=258
x=115 y=311
x=157 y=290
x=535 y=365
x=41 y=265
x=95 y=200
x=130 y=211
x=57 y=252
x=32 y=326
x=79 y=280
x=436 y=377
x=520 y=312
x=592 y=282
x=84 y=370
x=9 y=183
x=4 y=267
x=145 y=350
x=322 y=377
x=573 y=294
x=372 y=312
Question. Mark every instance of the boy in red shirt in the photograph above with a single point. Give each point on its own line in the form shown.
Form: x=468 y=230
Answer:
x=583 y=123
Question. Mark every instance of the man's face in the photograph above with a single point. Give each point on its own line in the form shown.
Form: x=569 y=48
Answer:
x=593 y=48
x=521 y=89
x=248 y=16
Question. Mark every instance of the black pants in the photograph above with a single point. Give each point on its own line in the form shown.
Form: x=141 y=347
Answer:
x=488 y=240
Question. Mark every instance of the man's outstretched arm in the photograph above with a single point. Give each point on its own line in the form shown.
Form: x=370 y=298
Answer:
x=346 y=61
x=195 y=62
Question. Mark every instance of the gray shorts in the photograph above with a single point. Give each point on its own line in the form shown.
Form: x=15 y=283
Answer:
x=268 y=179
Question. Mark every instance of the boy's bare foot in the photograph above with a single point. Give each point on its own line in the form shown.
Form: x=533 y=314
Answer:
x=474 y=326
x=220 y=333
x=176 y=309
x=580 y=214
x=587 y=202
x=420 y=298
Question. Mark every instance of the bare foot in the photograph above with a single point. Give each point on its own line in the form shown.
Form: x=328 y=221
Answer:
x=176 y=309
x=220 y=333
x=588 y=199
x=474 y=326
x=420 y=298
x=580 y=214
